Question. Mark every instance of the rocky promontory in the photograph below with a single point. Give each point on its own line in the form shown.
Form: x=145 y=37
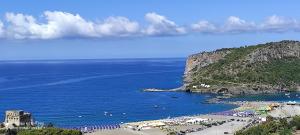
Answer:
x=264 y=68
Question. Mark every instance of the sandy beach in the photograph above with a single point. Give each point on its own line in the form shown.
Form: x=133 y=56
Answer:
x=228 y=122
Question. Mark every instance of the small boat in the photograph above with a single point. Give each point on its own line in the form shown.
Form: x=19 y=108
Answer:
x=156 y=106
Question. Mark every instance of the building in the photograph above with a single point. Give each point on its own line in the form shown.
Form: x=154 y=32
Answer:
x=17 y=118
x=196 y=120
x=291 y=103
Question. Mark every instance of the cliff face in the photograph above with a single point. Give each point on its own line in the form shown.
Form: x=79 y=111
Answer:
x=279 y=50
x=197 y=61
x=264 y=68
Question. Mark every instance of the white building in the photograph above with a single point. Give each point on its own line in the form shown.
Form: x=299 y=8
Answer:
x=196 y=120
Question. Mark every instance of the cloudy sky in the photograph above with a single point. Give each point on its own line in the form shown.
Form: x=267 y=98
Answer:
x=53 y=29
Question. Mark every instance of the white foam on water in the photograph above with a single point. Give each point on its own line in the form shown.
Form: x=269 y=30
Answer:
x=75 y=80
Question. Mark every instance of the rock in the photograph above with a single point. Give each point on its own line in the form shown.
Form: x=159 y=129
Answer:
x=277 y=50
x=197 y=61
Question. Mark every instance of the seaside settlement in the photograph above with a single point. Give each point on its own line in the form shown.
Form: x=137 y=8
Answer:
x=245 y=116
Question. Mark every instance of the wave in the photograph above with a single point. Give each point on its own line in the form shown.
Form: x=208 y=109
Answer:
x=76 y=80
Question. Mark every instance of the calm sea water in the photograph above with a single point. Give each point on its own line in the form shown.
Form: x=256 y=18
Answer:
x=79 y=92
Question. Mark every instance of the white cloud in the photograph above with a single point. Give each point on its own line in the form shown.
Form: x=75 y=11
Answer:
x=57 y=24
x=276 y=23
x=1 y=29
x=204 y=27
x=117 y=26
x=62 y=24
x=236 y=25
x=21 y=26
x=160 y=25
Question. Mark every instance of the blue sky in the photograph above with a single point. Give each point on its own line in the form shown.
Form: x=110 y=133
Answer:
x=52 y=29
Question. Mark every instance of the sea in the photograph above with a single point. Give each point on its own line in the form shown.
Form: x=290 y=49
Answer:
x=73 y=93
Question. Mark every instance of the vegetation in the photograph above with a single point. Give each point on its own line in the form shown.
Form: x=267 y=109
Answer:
x=235 y=69
x=49 y=131
x=172 y=133
x=45 y=131
x=273 y=127
x=283 y=72
x=2 y=131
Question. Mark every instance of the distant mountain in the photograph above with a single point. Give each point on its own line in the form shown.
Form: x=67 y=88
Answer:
x=263 y=68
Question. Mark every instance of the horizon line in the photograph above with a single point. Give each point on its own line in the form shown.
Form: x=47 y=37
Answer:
x=91 y=59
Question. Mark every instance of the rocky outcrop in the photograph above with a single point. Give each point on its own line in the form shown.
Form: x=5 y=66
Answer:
x=200 y=60
x=238 y=62
x=276 y=50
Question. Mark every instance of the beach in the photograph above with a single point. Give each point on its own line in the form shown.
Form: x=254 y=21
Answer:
x=228 y=122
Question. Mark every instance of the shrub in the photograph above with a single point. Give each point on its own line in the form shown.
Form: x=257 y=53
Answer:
x=295 y=122
x=273 y=126
x=49 y=131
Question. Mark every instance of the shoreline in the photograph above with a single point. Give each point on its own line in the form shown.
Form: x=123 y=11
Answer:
x=245 y=115
x=164 y=90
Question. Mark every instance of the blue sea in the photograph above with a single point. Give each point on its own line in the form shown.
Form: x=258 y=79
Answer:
x=98 y=92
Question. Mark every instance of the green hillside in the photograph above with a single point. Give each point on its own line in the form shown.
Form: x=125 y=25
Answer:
x=273 y=64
